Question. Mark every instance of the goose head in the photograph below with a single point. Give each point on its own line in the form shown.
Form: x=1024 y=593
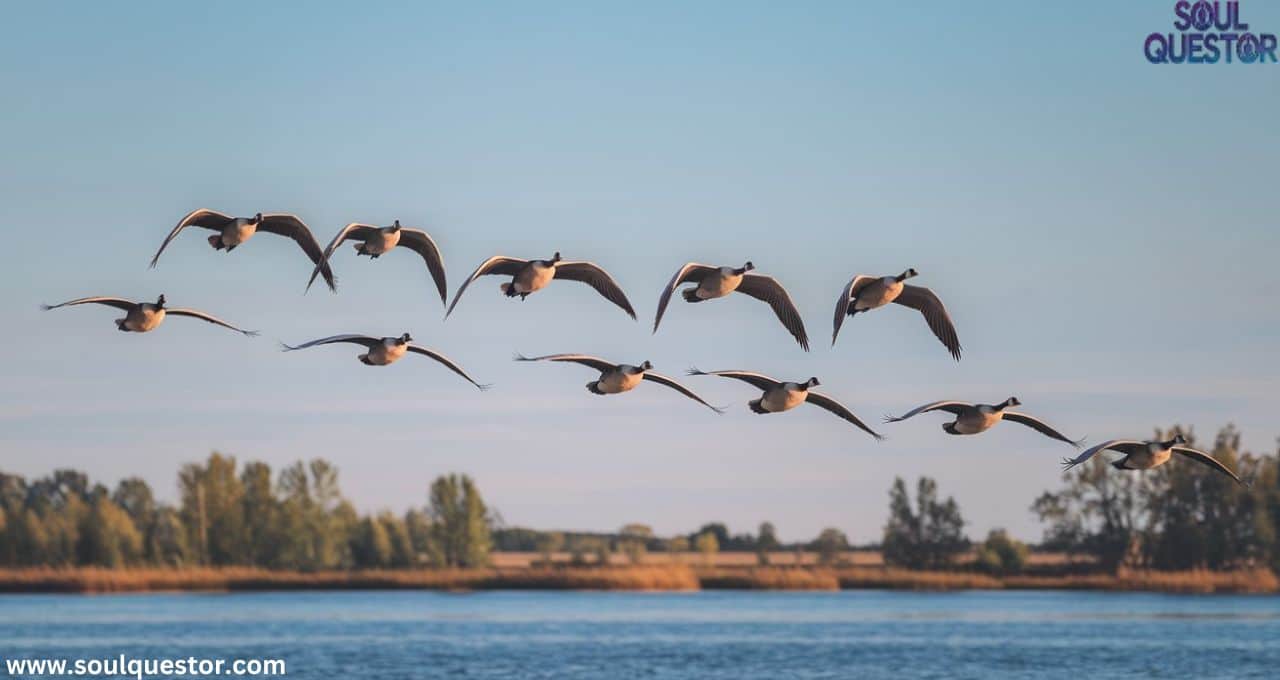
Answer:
x=394 y=227
x=746 y=267
x=911 y=272
x=809 y=384
x=1011 y=401
x=256 y=219
x=555 y=258
x=1178 y=440
x=645 y=365
x=160 y=302
x=404 y=339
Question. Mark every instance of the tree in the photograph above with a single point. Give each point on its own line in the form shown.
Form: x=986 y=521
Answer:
x=1001 y=554
x=108 y=536
x=212 y=510
x=460 y=521
x=928 y=537
x=829 y=544
x=677 y=545
x=371 y=545
x=766 y=542
x=549 y=543
x=261 y=514
x=708 y=545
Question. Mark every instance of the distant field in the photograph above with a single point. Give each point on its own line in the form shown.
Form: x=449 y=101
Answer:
x=657 y=576
x=855 y=558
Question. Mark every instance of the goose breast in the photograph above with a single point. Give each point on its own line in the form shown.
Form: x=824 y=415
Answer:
x=616 y=381
x=879 y=293
x=719 y=284
x=534 y=277
x=381 y=242
x=782 y=398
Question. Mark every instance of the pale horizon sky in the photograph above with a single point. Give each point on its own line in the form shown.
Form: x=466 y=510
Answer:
x=1103 y=231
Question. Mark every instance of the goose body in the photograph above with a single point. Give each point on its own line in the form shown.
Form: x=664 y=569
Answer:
x=784 y=397
x=717 y=282
x=1148 y=455
x=144 y=317
x=778 y=396
x=978 y=418
x=619 y=378
x=864 y=293
x=232 y=232
x=530 y=276
x=374 y=242
x=387 y=351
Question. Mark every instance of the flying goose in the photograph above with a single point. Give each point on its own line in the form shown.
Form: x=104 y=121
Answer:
x=783 y=396
x=975 y=418
x=1147 y=455
x=864 y=293
x=141 y=317
x=376 y=241
x=717 y=282
x=386 y=351
x=619 y=378
x=233 y=231
x=528 y=276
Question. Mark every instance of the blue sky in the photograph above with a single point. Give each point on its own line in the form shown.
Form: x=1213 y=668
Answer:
x=1102 y=229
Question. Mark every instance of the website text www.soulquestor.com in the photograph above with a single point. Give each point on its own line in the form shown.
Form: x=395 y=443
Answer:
x=141 y=669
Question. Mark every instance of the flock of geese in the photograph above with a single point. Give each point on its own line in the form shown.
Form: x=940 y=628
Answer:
x=863 y=293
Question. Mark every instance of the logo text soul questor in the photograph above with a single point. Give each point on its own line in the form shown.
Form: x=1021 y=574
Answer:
x=1209 y=32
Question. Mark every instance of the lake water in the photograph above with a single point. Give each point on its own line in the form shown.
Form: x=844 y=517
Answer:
x=869 y=634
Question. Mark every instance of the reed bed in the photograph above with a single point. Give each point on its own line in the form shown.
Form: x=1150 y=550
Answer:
x=645 y=577
x=908 y=579
x=768 y=578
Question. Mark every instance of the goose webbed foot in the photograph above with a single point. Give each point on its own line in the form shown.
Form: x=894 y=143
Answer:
x=231 y=248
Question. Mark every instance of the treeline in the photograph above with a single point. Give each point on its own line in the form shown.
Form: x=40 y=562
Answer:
x=235 y=515
x=1179 y=516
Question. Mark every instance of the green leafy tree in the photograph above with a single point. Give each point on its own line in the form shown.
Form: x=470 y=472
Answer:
x=708 y=545
x=829 y=544
x=460 y=521
x=1001 y=554
x=928 y=537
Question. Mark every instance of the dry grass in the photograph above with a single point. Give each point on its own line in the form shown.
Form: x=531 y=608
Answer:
x=767 y=578
x=657 y=577
x=93 y=580
x=1256 y=580
x=907 y=579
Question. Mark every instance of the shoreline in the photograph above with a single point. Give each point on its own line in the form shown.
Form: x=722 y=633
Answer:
x=642 y=578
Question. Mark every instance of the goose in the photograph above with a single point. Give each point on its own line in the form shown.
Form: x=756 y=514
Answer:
x=143 y=317
x=234 y=231
x=528 y=276
x=782 y=396
x=717 y=282
x=376 y=241
x=619 y=378
x=386 y=351
x=864 y=293
x=1148 y=455
x=976 y=418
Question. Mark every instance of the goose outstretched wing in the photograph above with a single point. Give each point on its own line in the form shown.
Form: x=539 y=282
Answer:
x=352 y=230
x=846 y=296
x=593 y=275
x=118 y=303
x=1041 y=427
x=935 y=314
x=1211 y=462
x=448 y=363
x=197 y=314
x=1125 y=446
x=689 y=272
x=353 y=338
x=824 y=402
x=759 y=380
x=421 y=243
x=664 y=380
x=203 y=217
x=284 y=224
x=953 y=407
x=498 y=264
x=767 y=289
x=584 y=359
